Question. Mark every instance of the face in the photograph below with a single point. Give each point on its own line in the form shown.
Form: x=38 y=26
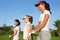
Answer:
x=15 y=23
x=26 y=19
x=40 y=7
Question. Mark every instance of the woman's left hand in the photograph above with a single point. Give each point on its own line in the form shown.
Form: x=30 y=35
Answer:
x=10 y=35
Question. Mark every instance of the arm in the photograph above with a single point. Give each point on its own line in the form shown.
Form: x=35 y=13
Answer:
x=15 y=32
x=29 y=30
x=40 y=26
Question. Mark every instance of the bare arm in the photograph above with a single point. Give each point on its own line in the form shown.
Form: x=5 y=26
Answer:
x=15 y=32
x=40 y=26
x=29 y=28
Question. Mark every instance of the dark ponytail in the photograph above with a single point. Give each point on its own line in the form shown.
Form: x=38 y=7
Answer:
x=30 y=18
x=47 y=6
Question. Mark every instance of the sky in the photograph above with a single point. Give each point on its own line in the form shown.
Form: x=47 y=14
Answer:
x=17 y=9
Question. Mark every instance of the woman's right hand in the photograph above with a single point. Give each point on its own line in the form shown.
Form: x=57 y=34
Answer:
x=33 y=31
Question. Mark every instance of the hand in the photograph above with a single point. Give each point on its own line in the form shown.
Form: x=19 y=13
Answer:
x=33 y=31
x=29 y=34
x=10 y=36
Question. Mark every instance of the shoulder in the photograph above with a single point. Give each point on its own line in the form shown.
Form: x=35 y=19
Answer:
x=28 y=23
x=17 y=27
x=47 y=12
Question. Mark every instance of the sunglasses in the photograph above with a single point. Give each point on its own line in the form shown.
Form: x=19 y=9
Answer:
x=23 y=18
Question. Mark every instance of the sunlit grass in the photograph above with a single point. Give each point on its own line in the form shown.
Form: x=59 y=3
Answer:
x=5 y=37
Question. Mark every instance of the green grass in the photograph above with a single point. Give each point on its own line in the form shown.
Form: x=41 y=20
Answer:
x=5 y=37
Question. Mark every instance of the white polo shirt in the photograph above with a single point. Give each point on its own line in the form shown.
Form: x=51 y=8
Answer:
x=25 y=30
x=42 y=18
x=18 y=32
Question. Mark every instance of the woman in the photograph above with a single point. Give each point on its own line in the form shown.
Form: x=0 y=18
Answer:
x=28 y=27
x=16 y=33
x=43 y=24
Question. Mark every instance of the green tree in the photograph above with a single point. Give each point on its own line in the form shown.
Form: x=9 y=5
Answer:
x=33 y=26
x=7 y=28
x=57 y=24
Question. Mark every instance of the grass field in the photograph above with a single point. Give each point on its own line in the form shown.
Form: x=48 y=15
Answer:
x=5 y=37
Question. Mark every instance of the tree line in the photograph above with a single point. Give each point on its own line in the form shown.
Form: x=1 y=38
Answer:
x=8 y=29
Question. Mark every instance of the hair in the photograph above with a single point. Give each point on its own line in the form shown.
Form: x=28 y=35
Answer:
x=17 y=21
x=47 y=6
x=30 y=18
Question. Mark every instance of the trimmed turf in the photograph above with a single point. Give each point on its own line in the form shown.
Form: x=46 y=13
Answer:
x=5 y=37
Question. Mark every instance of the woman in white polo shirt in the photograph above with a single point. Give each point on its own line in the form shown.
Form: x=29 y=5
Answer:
x=28 y=27
x=44 y=19
x=16 y=30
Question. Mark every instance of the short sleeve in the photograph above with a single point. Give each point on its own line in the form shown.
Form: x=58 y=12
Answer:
x=47 y=12
x=16 y=28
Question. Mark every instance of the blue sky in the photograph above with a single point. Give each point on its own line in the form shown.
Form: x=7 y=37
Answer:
x=16 y=9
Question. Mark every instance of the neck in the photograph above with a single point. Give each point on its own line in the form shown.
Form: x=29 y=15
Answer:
x=17 y=25
x=27 y=21
x=43 y=10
